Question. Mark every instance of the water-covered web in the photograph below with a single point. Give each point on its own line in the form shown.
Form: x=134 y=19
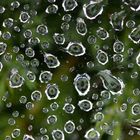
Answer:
x=69 y=70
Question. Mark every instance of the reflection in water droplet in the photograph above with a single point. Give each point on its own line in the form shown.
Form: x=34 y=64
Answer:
x=92 y=10
x=111 y=83
x=82 y=84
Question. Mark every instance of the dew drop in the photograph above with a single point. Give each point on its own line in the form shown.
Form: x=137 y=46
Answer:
x=51 y=60
x=45 y=76
x=36 y=95
x=102 y=33
x=69 y=5
x=3 y=47
x=75 y=49
x=69 y=127
x=92 y=134
x=102 y=57
x=52 y=91
x=85 y=105
x=135 y=35
x=138 y=59
x=28 y=137
x=24 y=17
x=92 y=10
x=16 y=80
x=42 y=29
x=136 y=109
x=59 y=38
x=117 y=20
x=52 y=9
x=81 y=27
x=82 y=84
x=69 y=108
x=111 y=83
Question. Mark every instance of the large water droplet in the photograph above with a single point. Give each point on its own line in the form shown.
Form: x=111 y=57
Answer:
x=75 y=49
x=85 y=105
x=117 y=20
x=69 y=5
x=81 y=26
x=92 y=9
x=82 y=84
x=52 y=91
x=92 y=134
x=51 y=60
x=135 y=35
x=110 y=82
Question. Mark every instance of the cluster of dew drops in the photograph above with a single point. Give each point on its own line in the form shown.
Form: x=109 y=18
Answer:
x=112 y=85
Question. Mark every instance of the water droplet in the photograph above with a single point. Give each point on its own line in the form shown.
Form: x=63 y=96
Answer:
x=66 y=18
x=30 y=52
x=51 y=1
x=16 y=133
x=16 y=80
x=24 y=17
x=2 y=9
x=117 y=20
x=1 y=66
x=123 y=107
x=11 y=121
x=28 y=137
x=99 y=116
x=8 y=138
x=51 y=60
x=34 y=62
x=81 y=27
x=3 y=47
x=134 y=4
x=85 y=105
x=136 y=109
x=54 y=106
x=36 y=95
x=65 y=26
x=59 y=38
x=75 y=49
x=138 y=59
x=69 y=108
x=105 y=94
x=43 y=131
x=27 y=33
x=23 y=99
x=42 y=29
x=102 y=57
x=58 y=135
x=45 y=76
x=52 y=91
x=118 y=46
x=82 y=84
x=135 y=35
x=69 y=5
x=15 y=114
x=110 y=82
x=92 y=10
x=31 y=76
x=52 y=119
x=8 y=23
x=102 y=33
x=52 y=9
x=29 y=105
x=118 y=58
x=69 y=127
x=92 y=134
x=130 y=24
x=91 y=39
